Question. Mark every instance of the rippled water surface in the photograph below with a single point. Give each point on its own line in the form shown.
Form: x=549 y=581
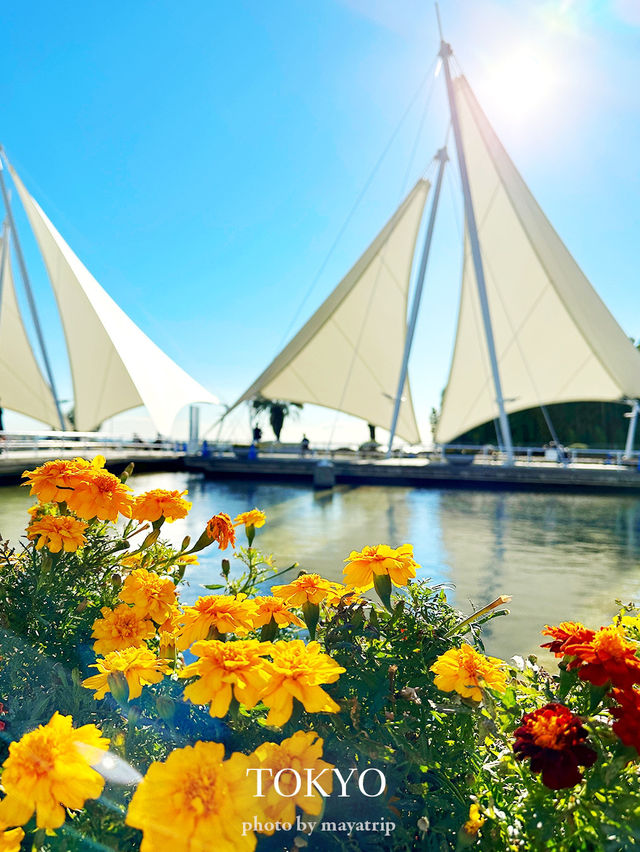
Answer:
x=561 y=557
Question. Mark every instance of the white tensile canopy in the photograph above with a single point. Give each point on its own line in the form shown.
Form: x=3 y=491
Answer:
x=348 y=355
x=555 y=339
x=114 y=365
x=22 y=386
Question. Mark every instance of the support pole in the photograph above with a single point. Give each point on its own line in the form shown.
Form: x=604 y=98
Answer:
x=550 y=427
x=5 y=249
x=32 y=304
x=631 y=432
x=194 y=429
x=445 y=53
x=442 y=157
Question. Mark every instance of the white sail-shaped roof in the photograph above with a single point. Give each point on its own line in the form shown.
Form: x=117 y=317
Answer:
x=348 y=355
x=22 y=386
x=555 y=339
x=114 y=365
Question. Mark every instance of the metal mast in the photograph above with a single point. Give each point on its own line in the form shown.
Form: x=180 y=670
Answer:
x=445 y=54
x=442 y=157
x=32 y=304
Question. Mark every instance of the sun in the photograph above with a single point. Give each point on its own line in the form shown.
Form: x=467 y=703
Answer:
x=521 y=85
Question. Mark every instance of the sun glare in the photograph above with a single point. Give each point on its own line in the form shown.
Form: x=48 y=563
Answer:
x=520 y=85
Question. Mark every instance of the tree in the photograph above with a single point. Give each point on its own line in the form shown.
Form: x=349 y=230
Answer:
x=278 y=411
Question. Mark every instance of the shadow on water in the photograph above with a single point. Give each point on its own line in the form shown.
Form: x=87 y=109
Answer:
x=561 y=557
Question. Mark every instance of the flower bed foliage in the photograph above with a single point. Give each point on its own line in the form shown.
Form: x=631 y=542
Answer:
x=291 y=714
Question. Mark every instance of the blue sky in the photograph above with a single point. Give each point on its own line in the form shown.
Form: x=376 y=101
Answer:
x=202 y=157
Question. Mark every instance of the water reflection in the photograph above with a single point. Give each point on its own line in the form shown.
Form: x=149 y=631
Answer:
x=560 y=556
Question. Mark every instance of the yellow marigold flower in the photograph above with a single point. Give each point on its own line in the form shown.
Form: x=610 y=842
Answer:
x=152 y=596
x=301 y=752
x=297 y=671
x=224 y=667
x=310 y=588
x=398 y=563
x=188 y=559
x=132 y=561
x=220 y=529
x=224 y=613
x=268 y=607
x=10 y=841
x=139 y=666
x=99 y=494
x=121 y=627
x=465 y=671
x=195 y=801
x=254 y=518
x=58 y=533
x=50 y=482
x=475 y=822
x=48 y=770
x=160 y=503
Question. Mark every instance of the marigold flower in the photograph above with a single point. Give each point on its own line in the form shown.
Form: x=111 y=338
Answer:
x=267 y=607
x=57 y=533
x=398 y=563
x=11 y=840
x=555 y=741
x=475 y=822
x=223 y=668
x=99 y=494
x=607 y=657
x=253 y=518
x=121 y=627
x=195 y=801
x=140 y=666
x=48 y=770
x=50 y=482
x=160 y=503
x=627 y=716
x=465 y=671
x=301 y=753
x=188 y=559
x=225 y=613
x=566 y=633
x=296 y=671
x=152 y=596
x=220 y=529
x=311 y=588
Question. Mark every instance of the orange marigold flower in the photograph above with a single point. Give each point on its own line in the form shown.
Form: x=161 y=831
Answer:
x=253 y=518
x=121 y=627
x=223 y=668
x=475 y=822
x=607 y=657
x=465 y=671
x=57 y=533
x=555 y=741
x=267 y=607
x=160 y=503
x=48 y=770
x=195 y=801
x=310 y=588
x=627 y=716
x=99 y=494
x=11 y=840
x=50 y=482
x=211 y=613
x=220 y=528
x=301 y=753
x=152 y=596
x=139 y=666
x=566 y=633
x=398 y=563
x=296 y=671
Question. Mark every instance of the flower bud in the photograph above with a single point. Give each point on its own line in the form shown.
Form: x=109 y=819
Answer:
x=118 y=687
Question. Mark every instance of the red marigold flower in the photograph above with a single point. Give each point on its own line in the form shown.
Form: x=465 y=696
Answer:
x=607 y=657
x=555 y=741
x=565 y=634
x=221 y=529
x=627 y=715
